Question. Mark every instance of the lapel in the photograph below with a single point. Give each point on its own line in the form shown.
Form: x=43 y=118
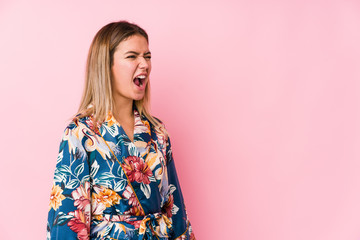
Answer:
x=145 y=170
x=113 y=132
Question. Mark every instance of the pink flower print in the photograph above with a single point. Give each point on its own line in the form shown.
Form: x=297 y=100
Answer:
x=81 y=196
x=130 y=195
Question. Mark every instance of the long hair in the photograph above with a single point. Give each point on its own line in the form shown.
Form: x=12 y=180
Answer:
x=97 y=99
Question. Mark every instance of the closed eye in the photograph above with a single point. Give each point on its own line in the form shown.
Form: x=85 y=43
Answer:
x=131 y=56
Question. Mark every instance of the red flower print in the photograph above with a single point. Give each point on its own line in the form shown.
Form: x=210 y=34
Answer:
x=137 y=170
x=136 y=224
x=166 y=209
x=80 y=224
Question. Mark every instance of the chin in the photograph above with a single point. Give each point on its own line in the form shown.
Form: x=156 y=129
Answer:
x=138 y=98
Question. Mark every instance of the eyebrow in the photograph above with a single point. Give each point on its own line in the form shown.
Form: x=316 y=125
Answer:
x=133 y=52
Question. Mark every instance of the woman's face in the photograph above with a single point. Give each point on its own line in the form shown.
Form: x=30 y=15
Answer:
x=131 y=69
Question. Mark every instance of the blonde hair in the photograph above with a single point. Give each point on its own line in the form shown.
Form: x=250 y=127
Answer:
x=97 y=99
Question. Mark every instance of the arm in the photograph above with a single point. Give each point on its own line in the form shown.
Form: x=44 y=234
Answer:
x=175 y=203
x=69 y=208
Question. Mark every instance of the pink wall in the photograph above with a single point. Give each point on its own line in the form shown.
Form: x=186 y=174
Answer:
x=262 y=99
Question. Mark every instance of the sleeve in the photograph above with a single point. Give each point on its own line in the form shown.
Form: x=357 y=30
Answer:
x=69 y=208
x=181 y=225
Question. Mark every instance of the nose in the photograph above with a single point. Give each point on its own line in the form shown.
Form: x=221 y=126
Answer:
x=143 y=64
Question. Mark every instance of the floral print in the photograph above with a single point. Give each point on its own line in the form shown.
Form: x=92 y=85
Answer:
x=108 y=187
x=168 y=206
x=56 y=197
x=80 y=195
x=137 y=170
x=79 y=224
x=106 y=196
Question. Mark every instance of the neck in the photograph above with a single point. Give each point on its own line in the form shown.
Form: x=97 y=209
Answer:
x=123 y=108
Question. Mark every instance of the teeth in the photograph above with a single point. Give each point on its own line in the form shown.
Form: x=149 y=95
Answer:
x=142 y=76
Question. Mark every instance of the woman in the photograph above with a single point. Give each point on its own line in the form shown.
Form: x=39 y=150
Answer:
x=115 y=176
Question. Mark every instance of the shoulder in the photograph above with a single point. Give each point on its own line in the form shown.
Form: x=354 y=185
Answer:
x=77 y=123
x=162 y=131
x=158 y=119
x=78 y=128
x=161 y=123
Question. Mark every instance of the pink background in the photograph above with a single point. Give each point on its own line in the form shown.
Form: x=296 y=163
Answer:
x=261 y=98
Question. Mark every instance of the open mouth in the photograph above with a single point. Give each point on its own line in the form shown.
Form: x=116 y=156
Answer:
x=139 y=81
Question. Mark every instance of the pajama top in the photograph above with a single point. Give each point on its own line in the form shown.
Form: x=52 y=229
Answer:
x=108 y=187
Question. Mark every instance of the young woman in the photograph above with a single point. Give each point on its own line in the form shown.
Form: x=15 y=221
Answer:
x=115 y=176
